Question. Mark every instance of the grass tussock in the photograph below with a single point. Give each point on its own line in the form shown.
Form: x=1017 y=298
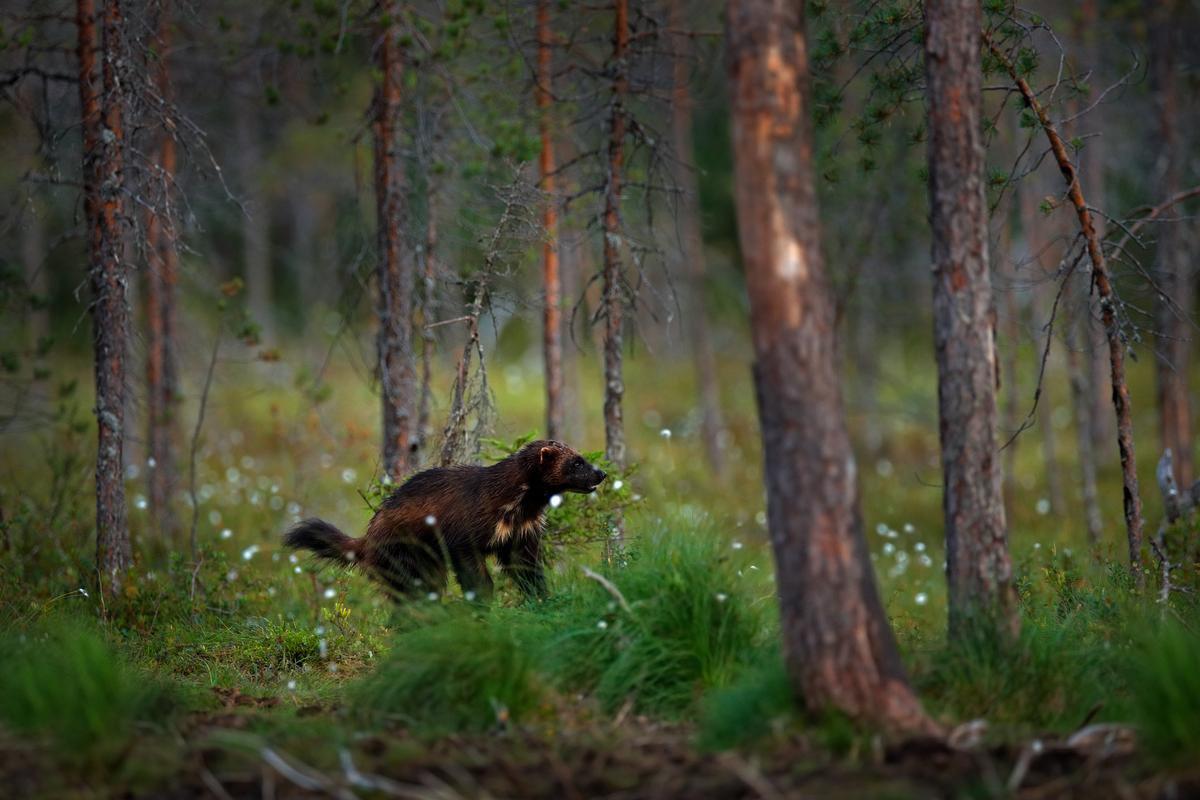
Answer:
x=63 y=682
x=1164 y=682
x=458 y=673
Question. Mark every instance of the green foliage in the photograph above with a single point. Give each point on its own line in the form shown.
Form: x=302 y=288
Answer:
x=692 y=625
x=757 y=702
x=64 y=682
x=1165 y=692
x=455 y=672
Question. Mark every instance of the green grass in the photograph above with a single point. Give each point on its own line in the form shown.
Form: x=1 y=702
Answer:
x=64 y=682
x=458 y=672
x=1164 y=680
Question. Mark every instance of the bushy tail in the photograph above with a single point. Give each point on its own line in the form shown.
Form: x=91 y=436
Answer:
x=323 y=539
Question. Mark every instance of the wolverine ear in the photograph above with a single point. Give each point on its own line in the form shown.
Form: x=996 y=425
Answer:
x=545 y=455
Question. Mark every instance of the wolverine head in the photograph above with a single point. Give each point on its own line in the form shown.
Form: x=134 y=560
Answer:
x=562 y=469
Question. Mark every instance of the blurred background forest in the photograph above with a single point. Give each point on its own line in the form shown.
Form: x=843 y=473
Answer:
x=250 y=208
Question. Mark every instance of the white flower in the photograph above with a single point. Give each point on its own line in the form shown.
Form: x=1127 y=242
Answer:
x=921 y=598
x=1043 y=506
x=736 y=545
x=298 y=570
x=919 y=547
x=432 y=597
x=348 y=475
x=291 y=685
x=227 y=534
x=601 y=624
x=330 y=593
x=665 y=433
x=908 y=527
x=888 y=548
x=618 y=483
x=249 y=552
x=294 y=558
x=721 y=597
x=469 y=595
x=431 y=520
x=555 y=500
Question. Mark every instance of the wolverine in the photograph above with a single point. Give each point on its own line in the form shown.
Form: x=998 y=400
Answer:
x=454 y=518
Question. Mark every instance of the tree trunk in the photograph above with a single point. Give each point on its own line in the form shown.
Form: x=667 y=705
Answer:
x=1173 y=272
x=397 y=371
x=1108 y=309
x=256 y=221
x=1010 y=368
x=1080 y=397
x=552 y=313
x=614 y=289
x=839 y=649
x=162 y=267
x=1033 y=228
x=103 y=142
x=691 y=250
x=1092 y=157
x=978 y=566
x=428 y=313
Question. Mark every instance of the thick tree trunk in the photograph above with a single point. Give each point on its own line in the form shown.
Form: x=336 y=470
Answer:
x=397 y=371
x=1108 y=309
x=691 y=251
x=978 y=566
x=162 y=268
x=552 y=312
x=1173 y=273
x=614 y=288
x=103 y=142
x=839 y=649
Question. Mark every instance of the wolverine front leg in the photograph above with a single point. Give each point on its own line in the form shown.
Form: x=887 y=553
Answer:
x=522 y=560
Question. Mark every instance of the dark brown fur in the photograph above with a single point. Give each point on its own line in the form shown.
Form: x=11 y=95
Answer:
x=457 y=517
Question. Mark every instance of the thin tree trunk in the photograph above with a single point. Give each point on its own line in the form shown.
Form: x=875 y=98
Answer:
x=428 y=311
x=691 y=252
x=33 y=263
x=1173 y=273
x=160 y=308
x=978 y=566
x=256 y=221
x=614 y=290
x=1103 y=285
x=397 y=371
x=1080 y=397
x=1011 y=381
x=552 y=312
x=838 y=646
x=103 y=142
x=1034 y=230
x=1092 y=157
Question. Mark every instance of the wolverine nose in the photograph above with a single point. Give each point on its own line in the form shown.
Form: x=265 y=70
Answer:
x=600 y=475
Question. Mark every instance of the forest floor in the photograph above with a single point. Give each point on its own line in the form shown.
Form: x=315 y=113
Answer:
x=260 y=674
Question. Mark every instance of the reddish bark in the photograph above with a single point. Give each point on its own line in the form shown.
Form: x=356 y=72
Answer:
x=161 y=278
x=103 y=140
x=1103 y=286
x=614 y=291
x=839 y=649
x=691 y=252
x=552 y=314
x=1173 y=272
x=978 y=566
x=397 y=371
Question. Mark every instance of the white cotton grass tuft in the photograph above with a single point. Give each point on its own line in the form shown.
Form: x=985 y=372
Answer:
x=1043 y=506
x=721 y=597
x=555 y=500
x=921 y=598
x=330 y=593
x=227 y=534
x=617 y=484
x=665 y=433
x=249 y=552
x=430 y=520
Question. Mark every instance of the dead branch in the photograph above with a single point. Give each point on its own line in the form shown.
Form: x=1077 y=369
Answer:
x=609 y=587
x=1108 y=305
